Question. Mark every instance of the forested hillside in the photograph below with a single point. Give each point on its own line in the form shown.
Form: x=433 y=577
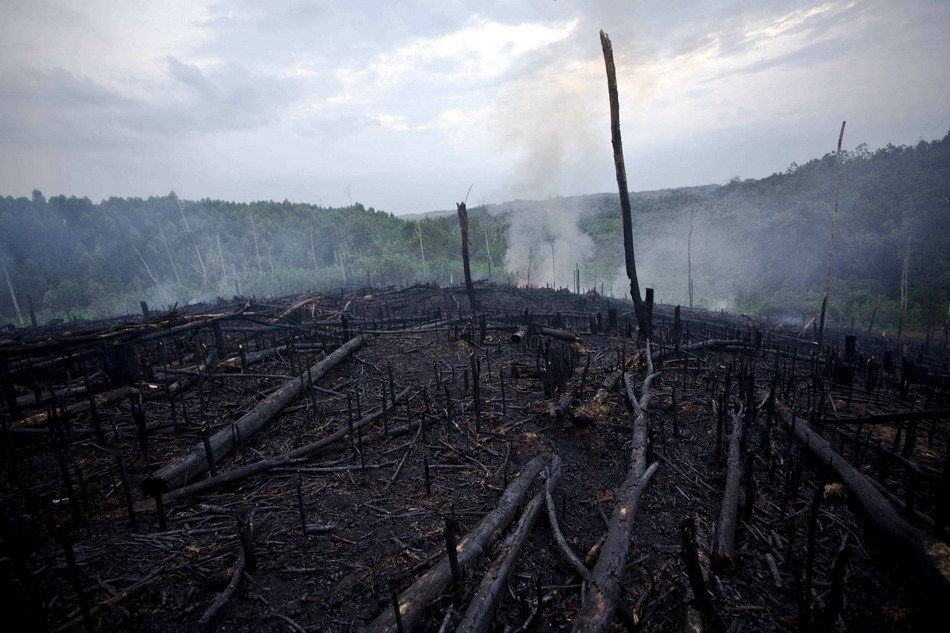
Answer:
x=757 y=245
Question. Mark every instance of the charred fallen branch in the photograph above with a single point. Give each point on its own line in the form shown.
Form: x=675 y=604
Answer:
x=593 y=410
x=278 y=461
x=931 y=555
x=597 y=612
x=412 y=602
x=481 y=611
x=196 y=462
x=726 y=530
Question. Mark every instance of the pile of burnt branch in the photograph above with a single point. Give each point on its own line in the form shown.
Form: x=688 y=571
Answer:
x=389 y=460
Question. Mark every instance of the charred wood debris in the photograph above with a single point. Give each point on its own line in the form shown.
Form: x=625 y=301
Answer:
x=385 y=460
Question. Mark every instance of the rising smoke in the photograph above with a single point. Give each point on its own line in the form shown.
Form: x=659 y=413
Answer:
x=553 y=116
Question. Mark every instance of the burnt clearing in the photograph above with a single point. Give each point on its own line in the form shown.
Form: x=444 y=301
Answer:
x=377 y=460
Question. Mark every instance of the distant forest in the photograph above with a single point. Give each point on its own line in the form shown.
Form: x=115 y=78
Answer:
x=758 y=245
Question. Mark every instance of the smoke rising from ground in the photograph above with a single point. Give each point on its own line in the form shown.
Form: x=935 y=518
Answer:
x=545 y=242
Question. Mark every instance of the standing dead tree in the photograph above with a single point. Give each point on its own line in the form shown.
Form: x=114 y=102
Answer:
x=900 y=321
x=689 y=261
x=831 y=239
x=16 y=304
x=463 y=226
x=625 y=213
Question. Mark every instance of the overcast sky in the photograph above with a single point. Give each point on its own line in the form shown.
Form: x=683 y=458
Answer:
x=403 y=105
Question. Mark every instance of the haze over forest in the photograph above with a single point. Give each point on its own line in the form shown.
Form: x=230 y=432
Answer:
x=758 y=245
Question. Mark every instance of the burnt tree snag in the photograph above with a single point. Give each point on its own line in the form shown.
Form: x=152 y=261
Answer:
x=831 y=238
x=702 y=599
x=625 y=214
x=469 y=288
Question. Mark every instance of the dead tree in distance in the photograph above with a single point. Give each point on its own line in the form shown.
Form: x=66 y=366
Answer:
x=463 y=225
x=625 y=214
x=831 y=239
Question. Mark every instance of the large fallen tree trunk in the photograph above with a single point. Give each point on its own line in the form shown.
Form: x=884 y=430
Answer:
x=278 y=461
x=623 y=615
x=597 y=612
x=481 y=610
x=726 y=531
x=932 y=556
x=413 y=601
x=195 y=463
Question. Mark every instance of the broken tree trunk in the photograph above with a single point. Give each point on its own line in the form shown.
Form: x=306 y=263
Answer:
x=195 y=463
x=625 y=214
x=930 y=554
x=102 y=399
x=726 y=532
x=414 y=600
x=481 y=610
x=597 y=612
x=463 y=226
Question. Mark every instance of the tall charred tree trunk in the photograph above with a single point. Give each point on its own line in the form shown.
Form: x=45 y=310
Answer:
x=625 y=214
x=831 y=239
x=463 y=225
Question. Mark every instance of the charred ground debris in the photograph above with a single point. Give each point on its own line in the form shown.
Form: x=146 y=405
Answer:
x=386 y=460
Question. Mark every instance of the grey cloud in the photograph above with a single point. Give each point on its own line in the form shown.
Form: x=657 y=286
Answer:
x=58 y=107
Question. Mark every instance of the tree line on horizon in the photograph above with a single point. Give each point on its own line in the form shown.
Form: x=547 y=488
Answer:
x=758 y=245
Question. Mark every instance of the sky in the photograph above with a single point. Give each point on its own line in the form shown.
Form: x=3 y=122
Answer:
x=404 y=105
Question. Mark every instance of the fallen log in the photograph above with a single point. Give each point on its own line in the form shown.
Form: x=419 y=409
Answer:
x=278 y=461
x=412 y=602
x=30 y=400
x=481 y=610
x=597 y=611
x=726 y=531
x=233 y=362
x=195 y=463
x=710 y=344
x=112 y=396
x=594 y=409
x=563 y=335
x=623 y=614
x=929 y=554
